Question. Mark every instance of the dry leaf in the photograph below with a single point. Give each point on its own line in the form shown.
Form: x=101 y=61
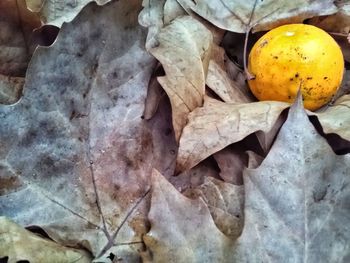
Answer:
x=16 y=48
x=336 y=118
x=184 y=51
x=56 y=12
x=339 y=22
x=18 y=244
x=338 y=25
x=254 y=160
x=266 y=138
x=195 y=176
x=155 y=15
x=10 y=89
x=225 y=202
x=234 y=15
x=155 y=94
x=343 y=41
x=34 y=5
x=231 y=161
x=217 y=125
x=182 y=229
x=295 y=207
x=296 y=201
x=75 y=155
x=218 y=79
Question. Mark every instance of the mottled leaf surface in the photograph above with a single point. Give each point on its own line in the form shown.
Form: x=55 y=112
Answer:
x=75 y=155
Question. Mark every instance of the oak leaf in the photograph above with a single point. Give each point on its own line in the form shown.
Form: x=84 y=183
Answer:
x=183 y=49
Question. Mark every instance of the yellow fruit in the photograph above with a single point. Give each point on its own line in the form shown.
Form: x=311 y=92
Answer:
x=293 y=56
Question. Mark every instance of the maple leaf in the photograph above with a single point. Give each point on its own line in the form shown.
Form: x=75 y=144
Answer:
x=294 y=207
x=76 y=156
x=295 y=200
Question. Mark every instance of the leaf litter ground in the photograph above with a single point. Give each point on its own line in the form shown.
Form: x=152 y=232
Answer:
x=78 y=160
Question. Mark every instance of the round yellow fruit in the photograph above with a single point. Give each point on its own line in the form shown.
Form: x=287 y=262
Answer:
x=296 y=56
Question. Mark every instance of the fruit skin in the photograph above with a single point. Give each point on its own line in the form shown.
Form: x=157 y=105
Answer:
x=293 y=56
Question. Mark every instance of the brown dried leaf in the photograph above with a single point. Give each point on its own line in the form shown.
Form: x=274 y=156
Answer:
x=216 y=125
x=339 y=22
x=225 y=202
x=234 y=15
x=344 y=42
x=16 y=47
x=75 y=155
x=10 y=89
x=34 y=5
x=155 y=15
x=18 y=244
x=195 y=176
x=232 y=161
x=266 y=138
x=219 y=81
x=53 y=12
x=295 y=207
x=336 y=118
x=182 y=229
x=184 y=51
x=254 y=160
x=155 y=94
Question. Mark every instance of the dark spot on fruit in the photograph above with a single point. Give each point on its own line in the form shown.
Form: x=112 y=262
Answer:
x=309 y=78
x=325 y=78
x=291 y=79
x=289 y=97
x=297 y=75
x=275 y=57
x=264 y=43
